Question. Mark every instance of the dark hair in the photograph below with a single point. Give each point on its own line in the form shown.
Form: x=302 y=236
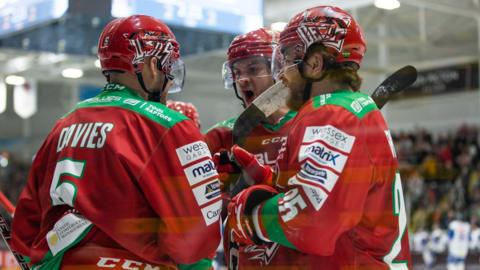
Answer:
x=345 y=73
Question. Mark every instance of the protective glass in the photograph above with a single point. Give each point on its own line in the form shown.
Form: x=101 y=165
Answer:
x=243 y=68
x=177 y=75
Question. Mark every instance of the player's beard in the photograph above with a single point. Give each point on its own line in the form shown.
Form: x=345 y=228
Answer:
x=295 y=98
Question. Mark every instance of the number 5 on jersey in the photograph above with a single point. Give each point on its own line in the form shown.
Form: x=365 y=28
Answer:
x=65 y=192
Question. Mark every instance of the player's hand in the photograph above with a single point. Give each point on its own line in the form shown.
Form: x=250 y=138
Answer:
x=240 y=219
x=225 y=167
x=259 y=173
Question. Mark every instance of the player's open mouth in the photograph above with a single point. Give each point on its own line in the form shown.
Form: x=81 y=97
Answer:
x=250 y=95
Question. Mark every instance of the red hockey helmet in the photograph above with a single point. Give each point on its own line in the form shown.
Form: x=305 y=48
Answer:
x=186 y=108
x=330 y=26
x=125 y=42
x=257 y=43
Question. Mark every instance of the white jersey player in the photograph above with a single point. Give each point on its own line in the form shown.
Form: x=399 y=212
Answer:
x=421 y=244
x=458 y=243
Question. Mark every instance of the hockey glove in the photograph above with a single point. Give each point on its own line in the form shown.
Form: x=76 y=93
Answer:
x=252 y=169
x=226 y=168
x=240 y=219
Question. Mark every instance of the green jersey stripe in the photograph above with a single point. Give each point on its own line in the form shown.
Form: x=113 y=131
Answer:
x=270 y=222
x=357 y=103
x=116 y=95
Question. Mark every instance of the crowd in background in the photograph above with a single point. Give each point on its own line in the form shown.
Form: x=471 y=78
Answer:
x=440 y=171
x=441 y=175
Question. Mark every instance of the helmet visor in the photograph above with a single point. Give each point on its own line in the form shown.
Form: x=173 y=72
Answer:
x=252 y=67
x=177 y=75
x=284 y=57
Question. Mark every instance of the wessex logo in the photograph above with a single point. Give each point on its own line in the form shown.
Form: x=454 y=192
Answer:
x=331 y=135
x=192 y=152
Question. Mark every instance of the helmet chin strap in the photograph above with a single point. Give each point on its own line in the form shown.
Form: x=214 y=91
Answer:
x=307 y=91
x=152 y=96
x=238 y=96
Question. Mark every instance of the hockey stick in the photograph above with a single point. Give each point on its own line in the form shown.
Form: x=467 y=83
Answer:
x=5 y=202
x=256 y=113
x=6 y=232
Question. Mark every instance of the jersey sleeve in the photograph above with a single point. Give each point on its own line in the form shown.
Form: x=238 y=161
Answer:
x=182 y=186
x=328 y=175
x=219 y=136
x=28 y=213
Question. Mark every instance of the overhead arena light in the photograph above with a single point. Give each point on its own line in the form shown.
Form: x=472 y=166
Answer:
x=3 y=96
x=387 y=4
x=72 y=73
x=15 y=80
x=278 y=26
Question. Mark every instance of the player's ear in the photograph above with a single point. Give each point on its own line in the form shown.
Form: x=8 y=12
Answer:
x=314 y=64
x=154 y=65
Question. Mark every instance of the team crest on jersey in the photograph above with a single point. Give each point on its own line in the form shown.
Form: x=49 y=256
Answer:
x=331 y=32
x=264 y=254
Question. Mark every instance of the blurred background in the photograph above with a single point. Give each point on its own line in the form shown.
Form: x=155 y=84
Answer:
x=48 y=63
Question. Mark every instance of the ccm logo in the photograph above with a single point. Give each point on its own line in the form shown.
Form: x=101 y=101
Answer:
x=274 y=140
x=105 y=262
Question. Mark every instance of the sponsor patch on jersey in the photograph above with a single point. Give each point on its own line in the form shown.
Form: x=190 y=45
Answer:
x=207 y=192
x=311 y=172
x=358 y=104
x=331 y=135
x=316 y=196
x=316 y=175
x=192 y=152
x=131 y=101
x=200 y=171
x=211 y=213
x=66 y=231
x=323 y=155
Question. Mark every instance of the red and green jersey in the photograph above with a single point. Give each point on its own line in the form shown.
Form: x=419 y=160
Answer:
x=121 y=172
x=341 y=205
x=266 y=141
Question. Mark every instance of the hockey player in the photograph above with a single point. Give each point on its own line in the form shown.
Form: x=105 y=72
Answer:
x=121 y=181
x=248 y=71
x=421 y=244
x=458 y=242
x=341 y=202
